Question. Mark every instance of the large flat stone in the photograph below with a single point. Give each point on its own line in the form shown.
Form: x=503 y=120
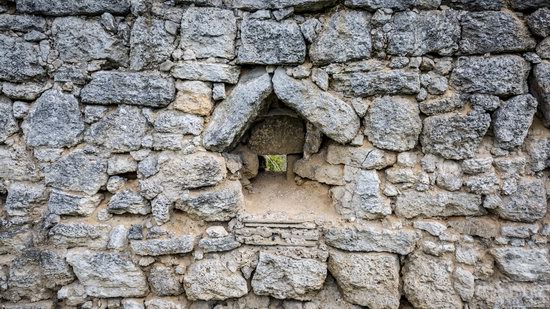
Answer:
x=502 y=75
x=77 y=171
x=233 y=116
x=426 y=32
x=55 y=120
x=76 y=7
x=132 y=88
x=334 y=117
x=105 y=274
x=411 y=204
x=367 y=279
x=81 y=40
x=156 y=247
x=266 y=41
x=398 y=5
x=212 y=279
x=344 y=37
x=512 y=121
x=494 y=32
x=20 y=60
x=286 y=277
x=527 y=204
x=540 y=87
x=523 y=264
x=150 y=43
x=454 y=136
x=518 y=294
x=372 y=238
x=377 y=82
x=209 y=72
x=297 y=5
x=208 y=32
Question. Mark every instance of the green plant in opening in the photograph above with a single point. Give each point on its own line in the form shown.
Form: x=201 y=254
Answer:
x=275 y=163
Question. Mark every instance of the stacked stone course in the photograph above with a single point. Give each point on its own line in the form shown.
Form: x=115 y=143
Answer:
x=126 y=153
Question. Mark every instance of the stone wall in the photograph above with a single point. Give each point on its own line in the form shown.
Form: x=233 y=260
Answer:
x=126 y=153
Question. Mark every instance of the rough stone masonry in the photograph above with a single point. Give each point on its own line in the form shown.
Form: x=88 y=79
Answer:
x=132 y=130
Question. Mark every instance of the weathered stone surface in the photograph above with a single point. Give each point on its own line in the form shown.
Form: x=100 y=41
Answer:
x=426 y=32
x=393 y=123
x=55 y=120
x=157 y=247
x=490 y=294
x=8 y=124
x=219 y=244
x=523 y=264
x=178 y=122
x=20 y=60
x=266 y=41
x=297 y=5
x=278 y=135
x=441 y=105
x=25 y=200
x=178 y=172
x=513 y=120
x=361 y=195
x=210 y=72
x=475 y=5
x=17 y=164
x=366 y=156
x=454 y=136
x=22 y=22
x=107 y=274
x=316 y=168
x=398 y=5
x=411 y=204
x=77 y=171
x=80 y=40
x=218 y=203
x=34 y=272
x=377 y=82
x=208 y=32
x=233 y=116
x=526 y=204
x=150 y=43
x=69 y=204
x=72 y=235
x=27 y=91
x=121 y=131
x=77 y=7
x=334 y=117
x=128 y=201
x=539 y=22
x=286 y=277
x=367 y=279
x=494 y=32
x=345 y=37
x=521 y=5
x=427 y=282
x=212 y=279
x=144 y=89
x=194 y=97
x=540 y=85
x=163 y=281
x=503 y=75
x=372 y=238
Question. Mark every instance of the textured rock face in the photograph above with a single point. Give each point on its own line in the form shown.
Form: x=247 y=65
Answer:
x=107 y=274
x=80 y=39
x=345 y=37
x=336 y=118
x=209 y=32
x=230 y=153
x=266 y=41
x=416 y=34
x=393 y=123
x=20 y=60
x=286 y=277
x=129 y=88
x=212 y=280
x=454 y=136
x=499 y=75
x=367 y=279
x=427 y=282
x=55 y=120
x=494 y=32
